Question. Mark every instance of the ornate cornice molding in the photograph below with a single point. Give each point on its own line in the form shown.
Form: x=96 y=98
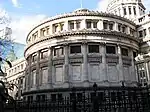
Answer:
x=96 y=32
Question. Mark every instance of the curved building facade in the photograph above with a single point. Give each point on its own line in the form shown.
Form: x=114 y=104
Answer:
x=78 y=49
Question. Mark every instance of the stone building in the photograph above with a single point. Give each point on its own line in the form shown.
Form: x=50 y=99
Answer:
x=78 y=49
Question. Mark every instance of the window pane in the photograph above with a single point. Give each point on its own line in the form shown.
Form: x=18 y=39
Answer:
x=95 y=24
x=75 y=49
x=110 y=50
x=124 y=52
x=105 y=25
x=93 y=48
x=71 y=25
x=78 y=24
x=111 y=26
x=88 y=24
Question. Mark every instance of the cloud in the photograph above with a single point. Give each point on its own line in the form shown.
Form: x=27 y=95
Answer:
x=15 y=3
x=21 y=26
x=102 y=5
x=146 y=4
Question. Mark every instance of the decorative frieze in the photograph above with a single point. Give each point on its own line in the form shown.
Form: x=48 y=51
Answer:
x=58 y=61
x=126 y=60
x=112 y=58
x=76 y=59
x=93 y=58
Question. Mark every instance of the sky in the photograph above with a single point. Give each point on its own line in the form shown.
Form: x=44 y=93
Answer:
x=24 y=14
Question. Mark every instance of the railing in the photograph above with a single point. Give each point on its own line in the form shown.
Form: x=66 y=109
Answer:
x=95 y=99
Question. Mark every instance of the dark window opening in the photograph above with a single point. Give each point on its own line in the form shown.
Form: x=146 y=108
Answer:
x=78 y=24
x=79 y=97
x=75 y=49
x=71 y=25
x=134 y=54
x=88 y=24
x=110 y=50
x=134 y=9
x=119 y=27
x=93 y=48
x=125 y=12
x=140 y=33
x=124 y=52
x=130 y=10
x=105 y=25
x=94 y=24
x=111 y=26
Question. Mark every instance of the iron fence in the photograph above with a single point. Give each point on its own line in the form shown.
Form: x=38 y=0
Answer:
x=95 y=99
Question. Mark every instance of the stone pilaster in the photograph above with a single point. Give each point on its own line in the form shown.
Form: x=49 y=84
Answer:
x=85 y=63
x=120 y=65
x=29 y=73
x=50 y=54
x=66 y=25
x=66 y=65
x=38 y=76
x=104 y=64
x=83 y=24
x=116 y=26
x=100 y=25
x=147 y=70
x=132 y=67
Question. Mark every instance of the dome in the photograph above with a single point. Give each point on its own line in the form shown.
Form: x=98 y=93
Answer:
x=82 y=10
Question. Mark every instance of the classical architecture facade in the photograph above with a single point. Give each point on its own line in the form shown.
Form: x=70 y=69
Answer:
x=84 y=47
x=78 y=49
x=15 y=78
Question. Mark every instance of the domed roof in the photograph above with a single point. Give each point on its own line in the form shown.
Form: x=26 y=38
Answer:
x=82 y=10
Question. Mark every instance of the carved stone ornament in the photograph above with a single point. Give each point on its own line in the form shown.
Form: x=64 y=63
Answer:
x=112 y=59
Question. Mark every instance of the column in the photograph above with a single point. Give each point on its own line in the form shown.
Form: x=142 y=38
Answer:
x=85 y=63
x=147 y=71
x=83 y=24
x=66 y=65
x=100 y=25
x=50 y=54
x=38 y=69
x=116 y=26
x=104 y=69
x=132 y=68
x=120 y=65
x=29 y=73
x=50 y=29
x=66 y=26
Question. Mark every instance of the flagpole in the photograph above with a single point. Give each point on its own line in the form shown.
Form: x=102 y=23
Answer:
x=81 y=3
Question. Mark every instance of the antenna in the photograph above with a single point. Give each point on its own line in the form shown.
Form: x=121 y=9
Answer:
x=81 y=3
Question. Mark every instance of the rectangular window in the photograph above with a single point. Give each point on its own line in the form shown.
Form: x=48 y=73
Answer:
x=105 y=25
x=61 y=27
x=44 y=75
x=110 y=50
x=88 y=24
x=145 y=32
x=134 y=9
x=119 y=27
x=110 y=26
x=124 y=52
x=125 y=12
x=140 y=33
x=34 y=57
x=78 y=24
x=95 y=24
x=93 y=48
x=130 y=10
x=71 y=25
x=124 y=29
x=58 y=51
x=44 y=54
x=75 y=49
x=55 y=28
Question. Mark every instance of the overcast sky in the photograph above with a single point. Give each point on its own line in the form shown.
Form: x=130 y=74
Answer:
x=25 y=14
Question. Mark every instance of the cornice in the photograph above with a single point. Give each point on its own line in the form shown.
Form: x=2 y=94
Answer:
x=83 y=32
